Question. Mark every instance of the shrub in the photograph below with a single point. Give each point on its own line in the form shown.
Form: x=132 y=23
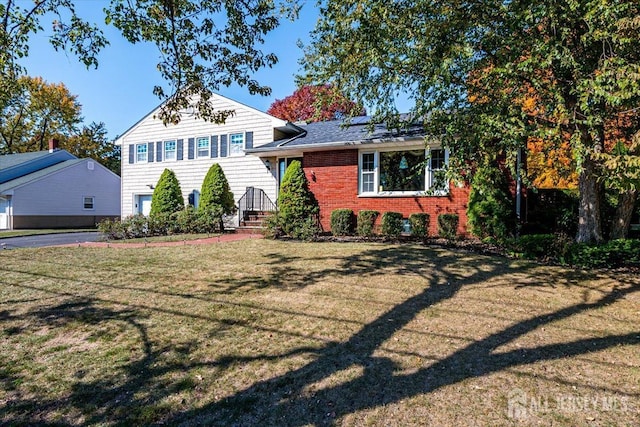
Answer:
x=365 y=223
x=112 y=229
x=419 y=224
x=547 y=247
x=490 y=209
x=448 y=225
x=392 y=224
x=342 y=222
x=136 y=226
x=272 y=228
x=615 y=253
x=167 y=196
x=216 y=199
x=160 y=224
x=296 y=203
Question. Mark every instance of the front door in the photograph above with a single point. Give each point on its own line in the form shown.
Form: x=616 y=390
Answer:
x=143 y=204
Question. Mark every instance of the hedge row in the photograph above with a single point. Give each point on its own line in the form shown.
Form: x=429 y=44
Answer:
x=186 y=221
x=343 y=222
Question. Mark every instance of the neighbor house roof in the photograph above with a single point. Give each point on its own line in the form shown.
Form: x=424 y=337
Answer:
x=37 y=175
x=325 y=135
x=13 y=166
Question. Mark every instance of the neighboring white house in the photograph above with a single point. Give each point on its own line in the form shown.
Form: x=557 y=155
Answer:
x=192 y=146
x=54 y=189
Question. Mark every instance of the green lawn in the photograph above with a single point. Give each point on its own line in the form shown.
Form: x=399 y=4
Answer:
x=261 y=332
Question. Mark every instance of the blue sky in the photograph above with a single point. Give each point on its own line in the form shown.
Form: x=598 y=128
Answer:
x=119 y=93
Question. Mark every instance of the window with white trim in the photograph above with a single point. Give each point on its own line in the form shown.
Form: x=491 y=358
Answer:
x=88 y=202
x=402 y=172
x=236 y=144
x=141 y=153
x=202 y=146
x=170 y=150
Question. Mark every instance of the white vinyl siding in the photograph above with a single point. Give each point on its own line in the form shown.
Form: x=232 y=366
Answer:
x=241 y=171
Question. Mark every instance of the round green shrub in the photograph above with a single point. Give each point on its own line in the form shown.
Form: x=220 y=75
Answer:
x=448 y=225
x=419 y=223
x=342 y=222
x=392 y=225
x=366 y=222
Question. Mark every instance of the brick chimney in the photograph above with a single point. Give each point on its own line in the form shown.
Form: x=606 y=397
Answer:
x=53 y=145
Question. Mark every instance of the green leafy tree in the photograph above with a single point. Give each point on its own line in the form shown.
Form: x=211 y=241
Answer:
x=92 y=141
x=297 y=206
x=36 y=112
x=216 y=199
x=468 y=66
x=203 y=44
x=167 y=196
x=490 y=210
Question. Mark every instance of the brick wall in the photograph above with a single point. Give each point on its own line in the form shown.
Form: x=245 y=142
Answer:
x=333 y=178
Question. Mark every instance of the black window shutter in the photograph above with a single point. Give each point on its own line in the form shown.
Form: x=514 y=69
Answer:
x=223 y=146
x=190 y=149
x=132 y=153
x=150 y=152
x=214 y=146
x=248 y=140
x=180 y=149
x=159 y=151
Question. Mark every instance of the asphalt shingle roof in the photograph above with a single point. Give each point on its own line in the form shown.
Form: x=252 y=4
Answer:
x=10 y=160
x=34 y=176
x=337 y=131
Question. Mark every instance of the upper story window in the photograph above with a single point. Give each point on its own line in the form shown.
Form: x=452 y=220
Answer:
x=170 y=150
x=236 y=144
x=141 y=153
x=202 y=145
x=402 y=172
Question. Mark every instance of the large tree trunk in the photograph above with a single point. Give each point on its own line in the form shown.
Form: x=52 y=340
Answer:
x=589 y=224
x=624 y=211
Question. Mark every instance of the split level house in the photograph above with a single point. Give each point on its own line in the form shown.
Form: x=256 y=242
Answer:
x=55 y=189
x=359 y=166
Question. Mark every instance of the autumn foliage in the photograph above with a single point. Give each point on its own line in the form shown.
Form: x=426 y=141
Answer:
x=315 y=104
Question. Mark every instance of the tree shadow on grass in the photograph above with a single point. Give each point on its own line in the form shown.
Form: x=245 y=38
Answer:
x=286 y=399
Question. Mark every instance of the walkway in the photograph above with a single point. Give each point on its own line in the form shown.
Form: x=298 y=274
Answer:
x=231 y=237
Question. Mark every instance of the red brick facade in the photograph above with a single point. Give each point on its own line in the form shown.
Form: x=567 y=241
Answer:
x=333 y=178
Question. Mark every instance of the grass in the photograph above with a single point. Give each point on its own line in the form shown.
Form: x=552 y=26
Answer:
x=20 y=233
x=261 y=332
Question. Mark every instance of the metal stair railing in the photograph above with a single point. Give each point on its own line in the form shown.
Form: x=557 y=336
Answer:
x=254 y=200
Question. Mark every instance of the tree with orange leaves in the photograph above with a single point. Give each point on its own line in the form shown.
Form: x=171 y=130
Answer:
x=315 y=104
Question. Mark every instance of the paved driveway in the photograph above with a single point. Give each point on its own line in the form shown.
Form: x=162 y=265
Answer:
x=48 y=240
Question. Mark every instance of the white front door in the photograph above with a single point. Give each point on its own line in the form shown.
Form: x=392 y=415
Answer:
x=143 y=204
x=4 y=214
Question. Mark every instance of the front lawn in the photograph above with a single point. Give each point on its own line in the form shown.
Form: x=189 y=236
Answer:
x=260 y=332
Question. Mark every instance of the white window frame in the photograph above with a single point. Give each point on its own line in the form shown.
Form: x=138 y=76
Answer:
x=142 y=153
x=203 y=138
x=172 y=157
x=235 y=151
x=376 y=174
x=93 y=203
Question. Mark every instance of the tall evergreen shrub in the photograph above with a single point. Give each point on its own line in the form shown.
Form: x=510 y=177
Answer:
x=491 y=210
x=297 y=206
x=167 y=196
x=216 y=198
